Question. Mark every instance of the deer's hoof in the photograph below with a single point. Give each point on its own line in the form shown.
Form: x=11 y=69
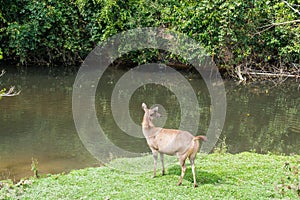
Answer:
x=179 y=184
x=195 y=185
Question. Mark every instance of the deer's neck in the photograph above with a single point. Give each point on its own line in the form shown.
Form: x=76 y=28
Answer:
x=147 y=123
x=150 y=131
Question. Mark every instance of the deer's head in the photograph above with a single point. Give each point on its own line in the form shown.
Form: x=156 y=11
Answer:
x=150 y=113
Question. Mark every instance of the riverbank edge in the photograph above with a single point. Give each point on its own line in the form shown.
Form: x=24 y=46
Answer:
x=220 y=176
x=250 y=77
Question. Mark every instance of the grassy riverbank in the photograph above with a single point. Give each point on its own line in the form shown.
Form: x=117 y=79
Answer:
x=220 y=176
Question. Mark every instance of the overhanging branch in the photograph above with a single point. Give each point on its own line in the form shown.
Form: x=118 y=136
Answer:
x=289 y=5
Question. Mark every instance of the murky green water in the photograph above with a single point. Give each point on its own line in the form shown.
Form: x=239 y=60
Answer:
x=39 y=123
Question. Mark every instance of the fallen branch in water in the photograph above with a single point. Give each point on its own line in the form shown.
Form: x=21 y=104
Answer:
x=239 y=74
x=11 y=92
x=273 y=74
x=2 y=72
x=277 y=74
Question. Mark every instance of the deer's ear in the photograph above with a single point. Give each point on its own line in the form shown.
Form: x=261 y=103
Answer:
x=155 y=109
x=144 y=106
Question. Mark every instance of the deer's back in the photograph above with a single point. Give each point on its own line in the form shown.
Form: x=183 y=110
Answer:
x=171 y=141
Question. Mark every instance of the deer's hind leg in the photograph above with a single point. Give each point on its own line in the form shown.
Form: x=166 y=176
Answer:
x=182 y=159
x=192 y=161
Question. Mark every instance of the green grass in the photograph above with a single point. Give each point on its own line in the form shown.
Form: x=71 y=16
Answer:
x=220 y=176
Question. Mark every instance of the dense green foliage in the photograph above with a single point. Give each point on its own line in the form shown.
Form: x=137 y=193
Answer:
x=220 y=176
x=235 y=32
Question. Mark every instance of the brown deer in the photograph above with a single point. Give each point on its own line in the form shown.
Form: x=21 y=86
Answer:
x=170 y=142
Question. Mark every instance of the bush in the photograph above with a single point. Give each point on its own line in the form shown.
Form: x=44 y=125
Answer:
x=45 y=32
x=253 y=34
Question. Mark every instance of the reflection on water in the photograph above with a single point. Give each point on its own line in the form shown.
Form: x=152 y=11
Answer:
x=39 y=124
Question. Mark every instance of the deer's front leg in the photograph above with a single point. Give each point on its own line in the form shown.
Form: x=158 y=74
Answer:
x=155 y=155
x=162 y=163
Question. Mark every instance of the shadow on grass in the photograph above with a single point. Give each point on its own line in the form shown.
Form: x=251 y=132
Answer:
x=202 y=177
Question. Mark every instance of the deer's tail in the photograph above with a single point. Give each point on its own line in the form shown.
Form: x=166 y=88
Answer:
x=200 y=137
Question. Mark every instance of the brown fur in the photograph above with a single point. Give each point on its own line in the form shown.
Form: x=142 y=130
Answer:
x=170 y=142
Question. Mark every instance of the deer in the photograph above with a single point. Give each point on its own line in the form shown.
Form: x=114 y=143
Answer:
x=170 y=142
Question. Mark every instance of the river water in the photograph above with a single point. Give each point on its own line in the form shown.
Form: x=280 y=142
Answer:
x=38 y=124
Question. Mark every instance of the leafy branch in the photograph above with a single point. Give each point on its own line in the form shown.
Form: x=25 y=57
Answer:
x=289 y=5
